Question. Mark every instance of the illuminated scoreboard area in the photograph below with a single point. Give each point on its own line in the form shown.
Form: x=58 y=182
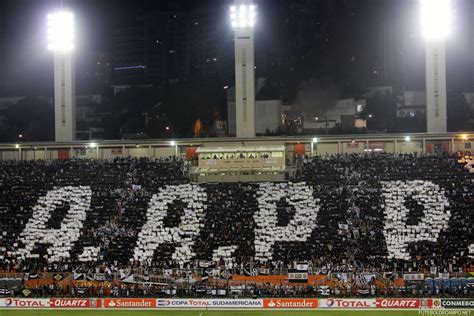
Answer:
x=240 y=164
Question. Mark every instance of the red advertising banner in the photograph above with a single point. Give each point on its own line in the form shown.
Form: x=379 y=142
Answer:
x=397 y=303
x=116 y=151
x=353 y=145
x=74 y=303
x=290 y=303
x=129 y=303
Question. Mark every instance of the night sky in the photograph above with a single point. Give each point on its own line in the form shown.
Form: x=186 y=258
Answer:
x=347 y=47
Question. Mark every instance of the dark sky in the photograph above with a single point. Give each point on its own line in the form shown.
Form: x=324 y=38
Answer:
x=23 y=53
x=24 y=58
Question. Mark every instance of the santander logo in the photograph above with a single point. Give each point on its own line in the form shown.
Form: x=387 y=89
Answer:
x=130 y=302
x=290 y=303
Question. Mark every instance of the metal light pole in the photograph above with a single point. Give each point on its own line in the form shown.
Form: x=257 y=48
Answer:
x=61 y=42
x=436 y=26
x=243 y=17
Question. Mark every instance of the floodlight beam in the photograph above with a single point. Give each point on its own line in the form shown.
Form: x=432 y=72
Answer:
x=436 y=19
x=244 y=17
x=61 y=31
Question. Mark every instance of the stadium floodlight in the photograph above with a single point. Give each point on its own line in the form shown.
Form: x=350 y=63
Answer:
x=61 y=43
x=407 y=138
x=436 y=24
x=243 y=16
x=61 y=31
x=172 y=143
x=436 y=19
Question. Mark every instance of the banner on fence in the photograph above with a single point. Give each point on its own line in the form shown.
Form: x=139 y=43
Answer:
x=290 y=303
x=209 y=303
x=24 y=302
x=457 y=303
x=396 y=303
x=414 y=276
x=129 y=303
x=75 y=303
x=298 y=277
x=347 y=303
x=267 y=303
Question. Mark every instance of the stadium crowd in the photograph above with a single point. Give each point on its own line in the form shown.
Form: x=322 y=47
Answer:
x=352 y=223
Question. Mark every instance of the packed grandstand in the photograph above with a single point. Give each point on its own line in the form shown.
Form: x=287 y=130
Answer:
x=348 y=225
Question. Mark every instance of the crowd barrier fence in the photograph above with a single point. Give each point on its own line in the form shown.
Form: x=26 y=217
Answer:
x=263 y=303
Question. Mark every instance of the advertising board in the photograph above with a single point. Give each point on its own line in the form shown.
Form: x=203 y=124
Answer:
x=129 y=303
x=24 y=302
x=209 y=303
x=293 y=303
x=347 y=303
x=74 y=303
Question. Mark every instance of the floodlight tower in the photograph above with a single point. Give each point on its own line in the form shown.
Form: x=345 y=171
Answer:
x=436 y=26
x=243 y=16
x=61 y=42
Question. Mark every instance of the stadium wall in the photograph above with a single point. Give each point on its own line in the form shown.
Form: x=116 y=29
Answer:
x=390 y=143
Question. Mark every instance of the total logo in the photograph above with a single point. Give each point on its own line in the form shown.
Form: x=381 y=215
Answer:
x=344 y=303
x=19 y=302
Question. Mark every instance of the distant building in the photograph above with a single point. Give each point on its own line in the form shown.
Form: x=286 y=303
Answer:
x=343 y=114
x=122 y=87
x=128 y=58
x=371 y=91
x=89 y=119
x=267 y=116
x=167 y=46
x=268 y=110
x=219 y=128
x=411 y=104
x=9 y=101
x=93 y=71
x=469 y=99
